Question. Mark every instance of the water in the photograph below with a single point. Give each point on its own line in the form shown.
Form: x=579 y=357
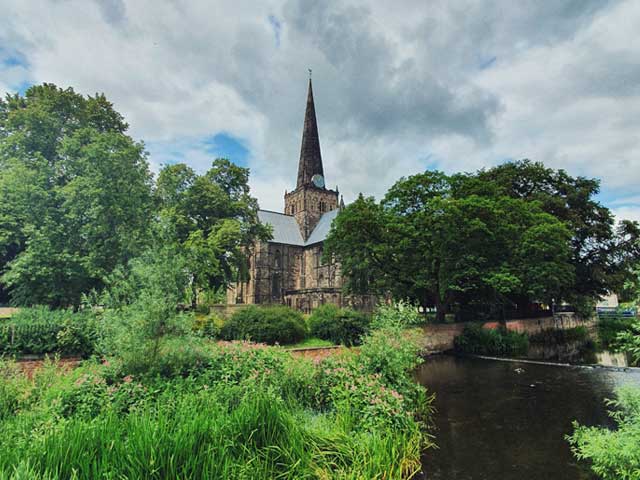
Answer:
x=497 y=422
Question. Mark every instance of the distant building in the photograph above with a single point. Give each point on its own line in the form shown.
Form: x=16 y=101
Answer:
x=289 y=269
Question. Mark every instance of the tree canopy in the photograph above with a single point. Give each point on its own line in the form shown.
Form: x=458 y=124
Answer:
x=215 y=220
x=75 y=194
x=504 y=238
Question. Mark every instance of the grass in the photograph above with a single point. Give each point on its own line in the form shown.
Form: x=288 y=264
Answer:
x=236 y=410
x=312 y=342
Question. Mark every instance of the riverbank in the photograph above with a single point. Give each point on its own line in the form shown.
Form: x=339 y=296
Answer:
x=440 y=337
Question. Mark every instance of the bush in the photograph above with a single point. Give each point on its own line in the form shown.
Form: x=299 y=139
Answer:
x=269 y=325
x=553 y=336
x=400 y=313
x=40 y=330
x=338 y=325
x=208 y=326
x=613 y=454
x=475 y=339
x=610 y=327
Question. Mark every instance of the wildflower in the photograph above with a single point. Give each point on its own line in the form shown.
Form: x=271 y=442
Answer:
x=127 y=379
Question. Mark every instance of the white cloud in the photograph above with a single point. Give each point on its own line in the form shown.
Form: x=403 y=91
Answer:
x=399 y=86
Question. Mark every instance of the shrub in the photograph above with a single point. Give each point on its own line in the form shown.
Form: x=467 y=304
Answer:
x=398 y=313
x=274 y=324
x=629 y=341
x=208 y=326
x=40 y=330
x=338 y=325
x=558 y=337
x=612 y=454
x=485 y=341
x=610 y=327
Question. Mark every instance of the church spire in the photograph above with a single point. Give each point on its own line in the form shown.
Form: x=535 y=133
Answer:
x=310 y=158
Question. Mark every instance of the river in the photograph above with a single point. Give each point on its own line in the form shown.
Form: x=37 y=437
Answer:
x=499 y=420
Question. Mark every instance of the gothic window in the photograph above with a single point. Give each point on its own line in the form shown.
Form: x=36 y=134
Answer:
x=293 y=209
x=277 y=259
x=275 y=285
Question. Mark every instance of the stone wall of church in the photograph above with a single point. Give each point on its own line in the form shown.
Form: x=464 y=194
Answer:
x=308 y=204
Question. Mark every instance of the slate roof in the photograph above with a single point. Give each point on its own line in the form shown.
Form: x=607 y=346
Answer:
x=286 y=230
x=285 y=227
x=321 y=231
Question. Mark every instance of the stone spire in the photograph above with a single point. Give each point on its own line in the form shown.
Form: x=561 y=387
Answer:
x=310 y=158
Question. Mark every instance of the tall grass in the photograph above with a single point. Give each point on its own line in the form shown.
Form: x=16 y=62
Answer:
x=252 y=412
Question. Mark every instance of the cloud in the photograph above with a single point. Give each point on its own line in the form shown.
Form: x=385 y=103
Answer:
x=399 y=86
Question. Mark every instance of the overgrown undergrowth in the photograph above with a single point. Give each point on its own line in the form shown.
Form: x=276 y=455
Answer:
x=236 y=410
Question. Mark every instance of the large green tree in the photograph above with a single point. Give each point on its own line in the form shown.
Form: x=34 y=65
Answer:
x=215 y=221
x=75 y=194
x=423 y=243
x=603 y=253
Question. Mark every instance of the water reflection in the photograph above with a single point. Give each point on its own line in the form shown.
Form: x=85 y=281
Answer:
x=502 y=420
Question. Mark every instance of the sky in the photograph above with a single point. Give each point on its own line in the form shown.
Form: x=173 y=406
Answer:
x=399 y=86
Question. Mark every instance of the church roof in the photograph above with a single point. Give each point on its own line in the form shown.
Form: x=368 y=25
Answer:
x=285 y=227
x=310 y=158
x=321 y=232
x=286 y=230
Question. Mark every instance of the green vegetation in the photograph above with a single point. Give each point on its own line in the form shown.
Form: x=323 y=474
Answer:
x=78 y=203
x=610 y=328
x=491 y=341
x=234 y=410
x=338 y=325
x=41 y=330
x=613 y=454
x=629 y=341
x=558 y=337
x=312 y=342
x=273 y=324
x=483 y=244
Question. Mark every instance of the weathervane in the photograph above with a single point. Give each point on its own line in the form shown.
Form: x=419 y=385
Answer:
x=309 y=74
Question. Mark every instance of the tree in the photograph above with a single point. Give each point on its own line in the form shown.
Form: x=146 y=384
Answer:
x=422 y=243
x=602 y=254
x=215 y=220
x=75 y=195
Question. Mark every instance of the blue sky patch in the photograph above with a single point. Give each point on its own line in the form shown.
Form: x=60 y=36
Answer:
x=227 y=146
x=488 y=63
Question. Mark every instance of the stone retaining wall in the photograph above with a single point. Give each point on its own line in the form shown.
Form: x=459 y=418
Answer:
x=439 y=338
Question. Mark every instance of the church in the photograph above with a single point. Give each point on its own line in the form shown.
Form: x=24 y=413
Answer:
x=289 y=268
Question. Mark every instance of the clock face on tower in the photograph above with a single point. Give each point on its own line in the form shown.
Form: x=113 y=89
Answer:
x=318 y=180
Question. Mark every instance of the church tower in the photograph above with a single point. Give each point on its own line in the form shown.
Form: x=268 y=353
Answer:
x=311 y=199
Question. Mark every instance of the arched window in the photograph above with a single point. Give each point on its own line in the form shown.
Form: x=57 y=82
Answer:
x=277 y=259
x=275 y=285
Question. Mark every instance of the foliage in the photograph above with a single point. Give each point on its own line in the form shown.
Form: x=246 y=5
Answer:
x=141 y=324
x=477 y=340
x=271 y=324
x=397 y=314
x=628 y=340
x=208 y=326
x=40 y=330
x=554 y=336
x=75 y=195
x=485 y=243
x=609 y=329
x=424 y=243
x=602 y=256
x=338 y=325
x=246 y=411
x=613 y=454
x=214 y=219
